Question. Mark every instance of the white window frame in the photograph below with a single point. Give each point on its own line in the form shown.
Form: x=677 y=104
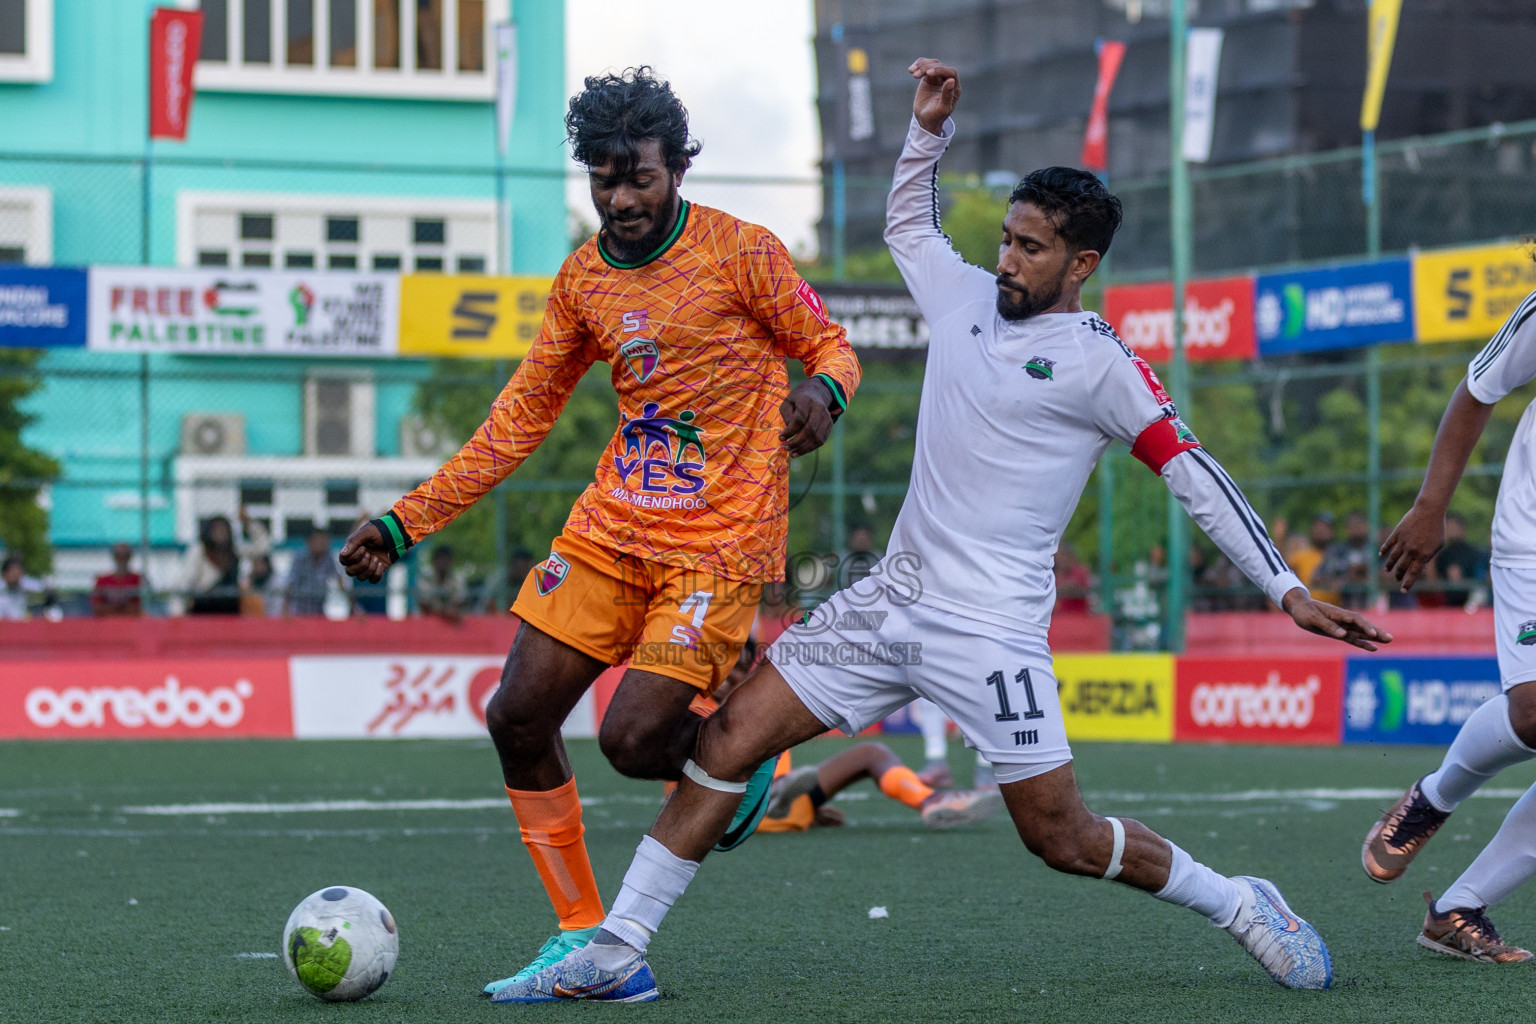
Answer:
x=189 y=203
x=38 y=199
x=361 y=404
x=233 y=75
x=36 y=65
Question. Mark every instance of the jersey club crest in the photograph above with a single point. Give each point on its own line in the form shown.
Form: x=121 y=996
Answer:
x=1527 y=634
x=550 y=574
x=642 y=355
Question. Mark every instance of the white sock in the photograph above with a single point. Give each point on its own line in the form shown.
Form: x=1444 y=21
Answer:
x=930 y=719
x=654 y=881
x=1193 y=885
x=1505 y=864
x=1485 y=746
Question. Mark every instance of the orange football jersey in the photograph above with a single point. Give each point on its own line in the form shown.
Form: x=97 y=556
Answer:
x=697 y=337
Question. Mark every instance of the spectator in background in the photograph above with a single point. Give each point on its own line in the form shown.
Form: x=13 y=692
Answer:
x=862 y=555
x=257 y=598
x=1304 y=557
x=1460 y=562
x=519 y=565
x=312 y=577
x=442 y=590
x=19 y=592
x=210 y=577
x=1349 y=564
x=1074 y=583
x=117 y=593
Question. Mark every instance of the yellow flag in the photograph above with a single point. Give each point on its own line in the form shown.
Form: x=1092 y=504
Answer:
x=1381 y=34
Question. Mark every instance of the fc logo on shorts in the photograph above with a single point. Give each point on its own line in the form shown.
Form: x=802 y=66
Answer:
x=550 y=574
x=1527 y=635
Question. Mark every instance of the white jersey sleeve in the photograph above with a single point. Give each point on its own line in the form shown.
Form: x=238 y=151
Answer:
x=1508 y=361
x=938 y=278
x=1213 y=500
x=1131 y=405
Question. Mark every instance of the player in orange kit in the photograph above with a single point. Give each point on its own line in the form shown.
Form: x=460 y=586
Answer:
x=663 y=557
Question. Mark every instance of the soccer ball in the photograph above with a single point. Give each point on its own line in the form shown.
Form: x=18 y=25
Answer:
x=340 y=943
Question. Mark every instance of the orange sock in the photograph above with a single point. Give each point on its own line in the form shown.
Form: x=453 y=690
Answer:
x=901 y=783
x=552 y=831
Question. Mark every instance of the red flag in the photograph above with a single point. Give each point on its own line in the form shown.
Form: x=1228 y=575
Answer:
x=1096 y=141
x=175 y=36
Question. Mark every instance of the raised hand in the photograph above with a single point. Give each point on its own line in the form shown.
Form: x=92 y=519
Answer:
x=938 y=90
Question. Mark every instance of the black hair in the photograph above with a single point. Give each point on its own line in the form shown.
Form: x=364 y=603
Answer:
x=442 y=550
x=11 y=560
x=613 y=114
x=1076 y=203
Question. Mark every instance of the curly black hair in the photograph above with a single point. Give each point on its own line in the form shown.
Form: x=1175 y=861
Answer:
x=1076 y=203
x=613 y=114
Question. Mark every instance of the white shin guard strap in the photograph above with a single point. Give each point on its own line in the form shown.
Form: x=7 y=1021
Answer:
x=708 y=781
x=1114 y=857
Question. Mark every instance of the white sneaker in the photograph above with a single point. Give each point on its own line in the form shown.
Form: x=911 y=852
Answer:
x=948 y=809
x=790 y=788
x=1288 y=948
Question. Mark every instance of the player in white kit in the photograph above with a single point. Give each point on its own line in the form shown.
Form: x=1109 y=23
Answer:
x=1023 y=392
x=1502 y=732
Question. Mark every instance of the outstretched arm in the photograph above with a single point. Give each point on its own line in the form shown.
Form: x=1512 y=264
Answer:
x=1214 y=501
x=1130 y=404
x=520 y=419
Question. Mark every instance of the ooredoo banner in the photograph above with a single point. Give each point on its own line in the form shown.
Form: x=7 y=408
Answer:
x=411 y=695
x=1116 y=696
x=144 y=699
x=1218 y=318
x=1414 y=700
x=1259 y=700
x=241 y=312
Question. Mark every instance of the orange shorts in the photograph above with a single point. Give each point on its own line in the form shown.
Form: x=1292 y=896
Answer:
x=680 y=623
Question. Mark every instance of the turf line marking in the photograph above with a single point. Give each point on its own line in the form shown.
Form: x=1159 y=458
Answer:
x=1254 y=795
x=9 y=812
x=329 y=806
x=255 y=956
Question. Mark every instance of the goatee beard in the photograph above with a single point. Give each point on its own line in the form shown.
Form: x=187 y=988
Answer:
x=1026 y=305
x=633 y=252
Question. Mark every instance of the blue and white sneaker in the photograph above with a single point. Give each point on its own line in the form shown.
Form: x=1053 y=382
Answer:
x=577 y=977
x=754 y=804
x=555 y=949
x=1288 y=948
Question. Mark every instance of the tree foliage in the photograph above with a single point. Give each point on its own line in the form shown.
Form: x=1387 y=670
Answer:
x=23 y=471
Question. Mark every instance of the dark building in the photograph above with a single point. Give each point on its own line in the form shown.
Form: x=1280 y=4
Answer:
x=1291 y=77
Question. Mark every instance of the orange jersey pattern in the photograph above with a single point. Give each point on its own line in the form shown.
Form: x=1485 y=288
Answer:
x=697 y=339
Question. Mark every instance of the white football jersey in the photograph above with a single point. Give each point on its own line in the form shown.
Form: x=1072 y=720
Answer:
x=1013 y=417
x=1506 y=363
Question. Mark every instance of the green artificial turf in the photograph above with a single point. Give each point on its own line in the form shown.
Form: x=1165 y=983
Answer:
x=112 y=915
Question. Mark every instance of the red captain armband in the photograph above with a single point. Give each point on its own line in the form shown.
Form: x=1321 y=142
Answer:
x=1162 y=441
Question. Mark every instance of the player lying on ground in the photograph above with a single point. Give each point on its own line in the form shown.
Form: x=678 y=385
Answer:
x=798 y=797
x=663 y=558
x=1023 y=392
x=1502 y=732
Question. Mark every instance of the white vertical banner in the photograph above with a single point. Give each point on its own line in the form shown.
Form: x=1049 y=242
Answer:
x=506 y=83
x=1203 y=64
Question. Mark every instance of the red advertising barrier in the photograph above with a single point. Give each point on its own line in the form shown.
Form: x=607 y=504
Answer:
x=1218 y=318
x=1259 y=700
x=145 y=699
